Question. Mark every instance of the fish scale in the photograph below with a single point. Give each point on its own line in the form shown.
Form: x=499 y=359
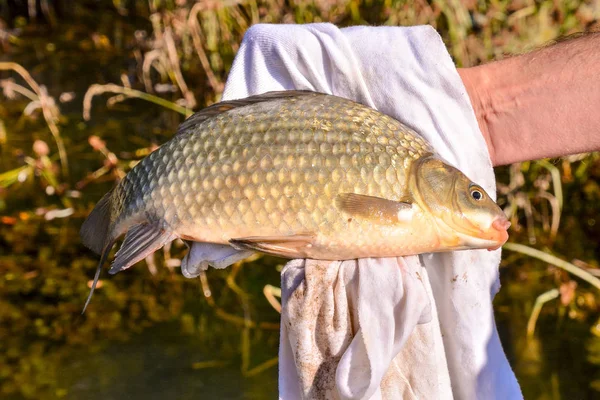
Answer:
x=288 y=153
x=294 y=174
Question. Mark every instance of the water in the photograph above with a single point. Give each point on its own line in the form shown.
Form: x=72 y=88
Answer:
x=161 y=363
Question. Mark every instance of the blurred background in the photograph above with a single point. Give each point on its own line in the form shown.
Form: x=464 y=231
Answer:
x=88 y=88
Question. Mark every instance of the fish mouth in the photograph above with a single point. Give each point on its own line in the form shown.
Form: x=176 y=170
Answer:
x=490 y=239
x=501 y=224
x=478 y=242
x=500 y=229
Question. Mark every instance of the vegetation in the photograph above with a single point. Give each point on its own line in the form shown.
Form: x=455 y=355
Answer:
x=88 y=90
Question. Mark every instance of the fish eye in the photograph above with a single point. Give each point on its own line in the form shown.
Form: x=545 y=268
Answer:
x=476 y=194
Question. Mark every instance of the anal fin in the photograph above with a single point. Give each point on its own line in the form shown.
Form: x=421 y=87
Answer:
x=140 y=241
x=292 y=246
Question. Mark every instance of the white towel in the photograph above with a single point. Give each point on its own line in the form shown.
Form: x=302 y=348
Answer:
x=413 y=327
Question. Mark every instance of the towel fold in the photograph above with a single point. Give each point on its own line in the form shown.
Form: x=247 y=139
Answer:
x=412 y=327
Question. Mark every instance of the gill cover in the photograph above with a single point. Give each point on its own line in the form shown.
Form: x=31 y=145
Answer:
x=469 y=217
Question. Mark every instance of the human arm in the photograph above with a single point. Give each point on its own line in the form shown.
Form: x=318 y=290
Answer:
x=540 y=104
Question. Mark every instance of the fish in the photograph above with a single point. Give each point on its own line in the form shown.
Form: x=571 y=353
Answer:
x=294 y=174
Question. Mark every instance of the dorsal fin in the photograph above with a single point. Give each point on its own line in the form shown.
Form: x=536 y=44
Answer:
x=224 y=106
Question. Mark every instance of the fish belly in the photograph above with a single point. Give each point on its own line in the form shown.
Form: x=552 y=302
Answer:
x=344 y=237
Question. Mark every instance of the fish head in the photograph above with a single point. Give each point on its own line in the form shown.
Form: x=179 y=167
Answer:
x=466 y=216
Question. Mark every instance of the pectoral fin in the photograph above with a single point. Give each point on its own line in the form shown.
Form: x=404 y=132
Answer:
x=376 y=209
x=293 y=246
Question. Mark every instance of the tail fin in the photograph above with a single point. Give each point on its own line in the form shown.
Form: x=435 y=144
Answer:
x=95 y=229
